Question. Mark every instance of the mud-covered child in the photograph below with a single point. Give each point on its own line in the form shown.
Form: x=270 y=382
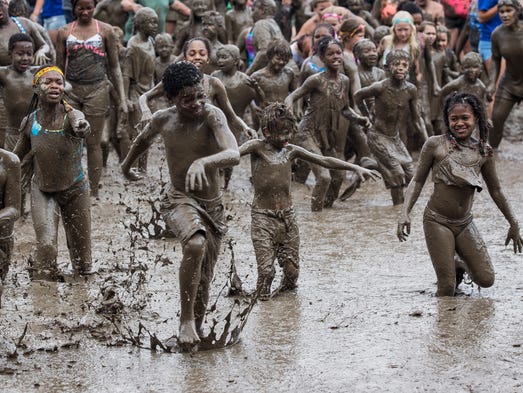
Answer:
x=197 y=143
x=274 y=230
x=138 y=68
x=9 y=209
x=16 y=81
x=394 y=97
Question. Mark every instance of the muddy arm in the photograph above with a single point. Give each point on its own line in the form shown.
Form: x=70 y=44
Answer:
x=143 y=101
x=490 y=176
x=415 y=186
x=332 y=163
x=140 y=145
x=12 y=190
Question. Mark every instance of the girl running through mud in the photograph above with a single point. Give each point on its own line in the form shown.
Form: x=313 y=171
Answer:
x=53 y=133
x=458 y=162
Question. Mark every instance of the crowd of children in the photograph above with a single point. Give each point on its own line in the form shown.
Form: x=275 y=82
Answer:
x=373 y=80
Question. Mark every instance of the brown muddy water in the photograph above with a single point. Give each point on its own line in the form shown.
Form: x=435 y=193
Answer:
x=364 y=318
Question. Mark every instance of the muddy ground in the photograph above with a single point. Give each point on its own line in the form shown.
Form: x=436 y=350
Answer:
x=363 y=319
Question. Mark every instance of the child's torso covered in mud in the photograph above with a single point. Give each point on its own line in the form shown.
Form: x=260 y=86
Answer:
x=271 y=176
x=323 y=119
x=187 y=141
x=392 y=107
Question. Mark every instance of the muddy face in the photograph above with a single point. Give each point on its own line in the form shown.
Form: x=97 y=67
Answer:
x=368 y=55
x=226 y=61
x=399 y=69
x=84 y=10
x=50 y=88
x=333 y=57
x=190 y=101
x=508 y=15
x=197 y=53
x=462 y=121
x=22 y=55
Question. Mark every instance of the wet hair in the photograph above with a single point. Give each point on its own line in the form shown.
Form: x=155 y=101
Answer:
x=268 y=5
x=443 y=30
x=358 y=47
x=205 y=41
x=409 y=6
x=350 y=27
x=314 y=3
x=231 y=49
x=426 y=23
x=325 y=42
x=19 y=8
x=19 y=37
x=322 y=25
x=397 y=54
x=472 y=58
x=478 y=109
x=163 y=37
x=141 y=16
x=279 y=47
x=511 y=3
x=380 y=32
x=276 y=117
x=178 y=76
x=215 y=17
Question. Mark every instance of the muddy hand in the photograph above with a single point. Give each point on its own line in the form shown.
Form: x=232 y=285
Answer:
x=196 y=178
x=513 y=234
x=403 y=230
x=251 y=134
x=365 y=174
x=82 y=128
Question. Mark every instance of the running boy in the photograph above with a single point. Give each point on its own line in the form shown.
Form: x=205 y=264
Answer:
x=197 y=143
x=274 y=230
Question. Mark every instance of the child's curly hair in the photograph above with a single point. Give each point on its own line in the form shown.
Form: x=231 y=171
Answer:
x=277 y=117
x=178 y=76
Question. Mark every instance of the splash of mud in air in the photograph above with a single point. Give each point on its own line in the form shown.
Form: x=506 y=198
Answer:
x=234 y=322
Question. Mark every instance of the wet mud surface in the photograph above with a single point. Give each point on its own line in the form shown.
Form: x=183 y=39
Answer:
x=364 y=317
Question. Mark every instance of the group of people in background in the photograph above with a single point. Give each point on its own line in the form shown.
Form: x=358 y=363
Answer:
x=300 y=86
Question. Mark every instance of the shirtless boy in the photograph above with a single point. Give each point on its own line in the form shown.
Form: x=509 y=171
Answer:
x=17 y=82
x=274 y=230
x=197 y=143
x=393 y=98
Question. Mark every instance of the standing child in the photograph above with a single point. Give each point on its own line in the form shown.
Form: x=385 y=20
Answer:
x=323 y=128
x=16 y=81
x=241 y=89
x=395 y=100
x=468 y=82
x=276 y=79
x=237 y=19
x=138 y=68
x=197 y=142
x=164 y=46
x=274 y=230
x=9 y=209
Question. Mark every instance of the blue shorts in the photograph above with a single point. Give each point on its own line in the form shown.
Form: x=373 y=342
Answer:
x=54 y=22
x=485 y=50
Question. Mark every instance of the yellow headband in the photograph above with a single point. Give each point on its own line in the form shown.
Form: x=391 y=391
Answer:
x=43 y=71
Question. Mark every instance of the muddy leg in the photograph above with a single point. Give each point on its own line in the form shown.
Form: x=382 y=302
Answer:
x=190 y=272
x=441 y=246
x=473 y=250
x=289 y=257
x=502 y=108
x=45 y=214
x=227 y=174
x=76 y=216
x=94 y=152
x=334 y=187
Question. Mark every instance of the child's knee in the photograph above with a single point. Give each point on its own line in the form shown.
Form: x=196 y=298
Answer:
x=195 y=246
x=485 y=279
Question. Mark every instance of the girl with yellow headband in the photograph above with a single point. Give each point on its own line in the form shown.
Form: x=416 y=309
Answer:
x=52 y=134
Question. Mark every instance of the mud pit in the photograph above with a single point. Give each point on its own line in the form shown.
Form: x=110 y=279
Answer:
x=364 y=317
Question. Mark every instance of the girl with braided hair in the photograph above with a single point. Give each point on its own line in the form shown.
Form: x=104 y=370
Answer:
x=458 y=162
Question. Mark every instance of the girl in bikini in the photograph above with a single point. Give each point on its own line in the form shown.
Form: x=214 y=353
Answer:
x=460 y=164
